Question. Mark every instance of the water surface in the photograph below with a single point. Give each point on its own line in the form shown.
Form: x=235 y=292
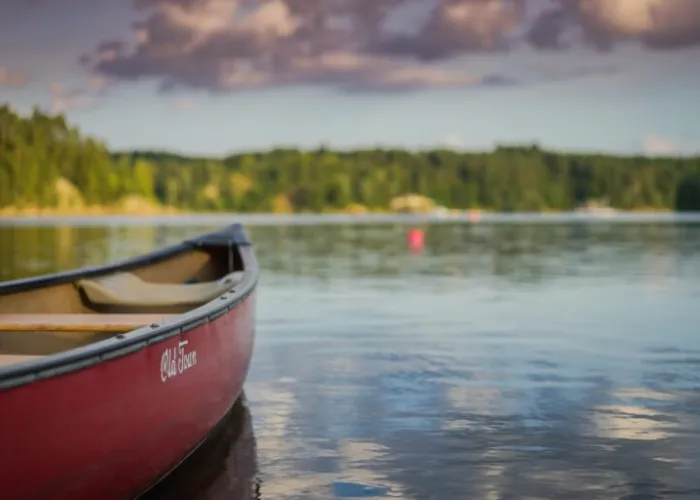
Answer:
x=510 y=359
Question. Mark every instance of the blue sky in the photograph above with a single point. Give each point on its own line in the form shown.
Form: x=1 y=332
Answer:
x=217 y=76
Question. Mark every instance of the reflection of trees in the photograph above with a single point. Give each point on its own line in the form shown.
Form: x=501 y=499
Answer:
x=30 y=250
x=514 y=251
x=517 y=252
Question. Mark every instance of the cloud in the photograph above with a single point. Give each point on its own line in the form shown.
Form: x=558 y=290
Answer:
x=10 y=79
x=657 y=24
x=453 y=141
x=459 y=26
x=655 y=145
x=224 y=45
x=76 y=98
x=64 y=100
x=221 y=45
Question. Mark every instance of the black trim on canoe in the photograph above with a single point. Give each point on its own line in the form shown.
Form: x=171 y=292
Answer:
x=230 y=237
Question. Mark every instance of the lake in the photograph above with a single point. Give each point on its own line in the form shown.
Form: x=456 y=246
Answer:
x=516 y=358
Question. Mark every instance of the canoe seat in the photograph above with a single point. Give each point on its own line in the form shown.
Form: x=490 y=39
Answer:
x=127 y=289
x=115 y=323
x=13 y=359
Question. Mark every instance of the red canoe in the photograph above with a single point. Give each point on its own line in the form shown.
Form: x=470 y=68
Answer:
x=223 y=468
x=111 y=376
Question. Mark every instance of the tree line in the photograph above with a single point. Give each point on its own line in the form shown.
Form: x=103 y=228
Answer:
x=44 y=160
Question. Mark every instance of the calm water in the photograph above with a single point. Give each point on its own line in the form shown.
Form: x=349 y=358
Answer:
x=507 y=360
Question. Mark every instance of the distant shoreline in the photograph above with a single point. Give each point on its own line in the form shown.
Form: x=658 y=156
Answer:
x=169 y=212
x=80 y=177
x=86 y=212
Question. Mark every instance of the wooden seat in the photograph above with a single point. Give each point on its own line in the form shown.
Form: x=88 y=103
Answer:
x=13 y=359
x=129 y=290
x=115 y=323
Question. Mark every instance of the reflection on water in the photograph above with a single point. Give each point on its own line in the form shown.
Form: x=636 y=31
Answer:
x=510 y=360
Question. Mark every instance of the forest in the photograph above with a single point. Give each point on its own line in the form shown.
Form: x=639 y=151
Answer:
x=47 y=164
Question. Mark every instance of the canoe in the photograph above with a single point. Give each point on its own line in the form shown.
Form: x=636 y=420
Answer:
x=110 y=376
x=224 y=467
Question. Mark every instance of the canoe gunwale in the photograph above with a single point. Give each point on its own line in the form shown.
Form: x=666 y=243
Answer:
x=124 y=344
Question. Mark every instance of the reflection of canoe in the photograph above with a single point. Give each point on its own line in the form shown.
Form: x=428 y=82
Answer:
x=109 y=376
x=224 y=467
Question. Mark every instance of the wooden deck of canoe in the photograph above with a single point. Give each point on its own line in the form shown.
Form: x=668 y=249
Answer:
x=75 y=324
x=116 y=323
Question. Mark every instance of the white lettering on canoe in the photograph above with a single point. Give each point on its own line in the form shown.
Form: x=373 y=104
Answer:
x=176 y=360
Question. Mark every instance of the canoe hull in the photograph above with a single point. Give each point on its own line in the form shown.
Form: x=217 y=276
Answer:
x=110 y=430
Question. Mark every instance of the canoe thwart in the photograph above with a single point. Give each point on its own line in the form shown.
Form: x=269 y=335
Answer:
x=117 y=323
x=127 y=289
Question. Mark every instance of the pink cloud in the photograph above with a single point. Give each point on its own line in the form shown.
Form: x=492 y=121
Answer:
x=223 y=45
x=10 y=79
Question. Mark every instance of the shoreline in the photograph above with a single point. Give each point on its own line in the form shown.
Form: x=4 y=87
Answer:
x=172 y=213
x=91 y=212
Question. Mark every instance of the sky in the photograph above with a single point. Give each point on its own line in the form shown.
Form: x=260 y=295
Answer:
x=213 y=77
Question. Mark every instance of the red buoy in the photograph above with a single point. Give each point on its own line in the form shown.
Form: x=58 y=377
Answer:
x=416 y=239
x=474 y=216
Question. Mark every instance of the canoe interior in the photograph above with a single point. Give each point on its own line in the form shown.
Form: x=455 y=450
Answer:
x=55 y=317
